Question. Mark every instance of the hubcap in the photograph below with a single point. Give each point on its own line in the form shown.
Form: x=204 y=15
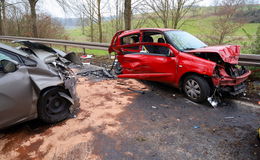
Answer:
x=55 y=105
x=192 y=89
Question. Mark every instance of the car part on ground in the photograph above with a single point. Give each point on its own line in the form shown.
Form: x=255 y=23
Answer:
x=95 y=73
x=35 y=72
x=181 y=60
x=258 y=134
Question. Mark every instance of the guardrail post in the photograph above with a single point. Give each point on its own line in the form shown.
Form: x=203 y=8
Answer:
x=84 y=50
x=65 y=47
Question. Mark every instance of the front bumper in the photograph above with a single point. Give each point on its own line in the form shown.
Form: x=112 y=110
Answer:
x=230 y=81
x=70 y=84
x=233 y=90
x=230 y=85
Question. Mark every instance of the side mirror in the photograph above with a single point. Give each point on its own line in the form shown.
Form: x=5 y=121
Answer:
x=171 y=54
x=8 y=66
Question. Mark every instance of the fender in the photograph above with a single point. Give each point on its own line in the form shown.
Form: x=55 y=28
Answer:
x=189 y=63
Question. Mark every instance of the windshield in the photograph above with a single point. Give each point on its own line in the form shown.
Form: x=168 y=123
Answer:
x=184 y=41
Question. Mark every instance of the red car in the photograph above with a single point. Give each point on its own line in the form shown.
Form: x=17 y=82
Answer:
x=179 y=59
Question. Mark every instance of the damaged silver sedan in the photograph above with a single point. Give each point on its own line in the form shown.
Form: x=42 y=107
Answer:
x=35 y=82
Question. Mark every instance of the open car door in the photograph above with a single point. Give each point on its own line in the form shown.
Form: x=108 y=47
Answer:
x=157 y=66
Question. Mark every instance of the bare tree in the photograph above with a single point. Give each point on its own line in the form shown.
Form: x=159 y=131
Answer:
x=128 y=14
x=170 y=12
x=89 y=12
x=160 y=9
x=82 y=22
x=99 y=20
x=215 y=5
x=33 y=17
x=225 y=25
x=119 y=17
x=179 y=10
x=3 y=22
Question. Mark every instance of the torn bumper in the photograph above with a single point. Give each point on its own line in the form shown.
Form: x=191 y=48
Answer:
x=70 y=84
x=229 y=81
x=234 y=90
x=233 y=86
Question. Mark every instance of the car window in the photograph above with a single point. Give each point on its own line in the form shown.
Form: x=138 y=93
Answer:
x=4 y=57
x=130 y=39
x=9 y=56
x=154 y=49
x=184 y=41
x=154 y=37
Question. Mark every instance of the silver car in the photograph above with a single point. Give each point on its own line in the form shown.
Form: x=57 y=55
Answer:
x=35 y=82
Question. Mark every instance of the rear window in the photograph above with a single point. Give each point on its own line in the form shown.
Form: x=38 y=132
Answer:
x=130 y=39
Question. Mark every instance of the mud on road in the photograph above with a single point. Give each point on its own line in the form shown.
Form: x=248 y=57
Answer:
x=128 y=119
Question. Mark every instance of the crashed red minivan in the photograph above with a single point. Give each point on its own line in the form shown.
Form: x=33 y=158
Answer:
x=179 y=59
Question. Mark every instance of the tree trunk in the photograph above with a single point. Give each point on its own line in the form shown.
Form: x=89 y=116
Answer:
x=91 y=31
x=99 y=20
x=33 y=17
x=1 y=22
x=82 y=21
x=4 y=17
x=128 y=14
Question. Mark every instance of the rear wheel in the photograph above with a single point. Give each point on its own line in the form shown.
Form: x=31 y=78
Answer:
x=52 y=107
x=196 y=88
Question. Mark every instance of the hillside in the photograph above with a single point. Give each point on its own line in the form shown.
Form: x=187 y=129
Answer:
x=199 y=25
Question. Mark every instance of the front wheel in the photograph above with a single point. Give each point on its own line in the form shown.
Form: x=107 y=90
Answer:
x=196 y=88
x=52 y=107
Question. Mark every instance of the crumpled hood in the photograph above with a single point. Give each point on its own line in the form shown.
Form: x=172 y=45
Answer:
x=229 y=53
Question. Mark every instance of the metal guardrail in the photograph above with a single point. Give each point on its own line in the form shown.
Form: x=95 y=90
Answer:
x=245 y=59
x=65 y=43
x=249 y=60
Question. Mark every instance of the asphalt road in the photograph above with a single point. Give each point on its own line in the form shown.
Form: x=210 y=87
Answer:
x=118 y=122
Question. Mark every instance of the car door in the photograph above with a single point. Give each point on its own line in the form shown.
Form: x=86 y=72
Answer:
x=148 y=66
x=15 y=92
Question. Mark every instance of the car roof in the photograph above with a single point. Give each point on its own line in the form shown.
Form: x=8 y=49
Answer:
x=12 y=49
x=133 y=31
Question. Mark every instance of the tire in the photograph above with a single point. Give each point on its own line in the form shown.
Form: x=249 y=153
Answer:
x=53 y=108
x=196 y=88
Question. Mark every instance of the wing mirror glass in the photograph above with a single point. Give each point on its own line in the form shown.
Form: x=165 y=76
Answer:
x=8 y=66
x=171 y=54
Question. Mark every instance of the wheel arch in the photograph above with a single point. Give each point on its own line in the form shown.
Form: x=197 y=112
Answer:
x=51 y=87
x=207 y=78
x=43 y=91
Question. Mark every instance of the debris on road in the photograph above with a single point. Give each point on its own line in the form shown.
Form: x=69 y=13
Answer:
x=229 y=117
x=258 y=134
x=140 y=139
x=196 y=127
x=137 y=91
x=154 y=107
x=94 y=72
x=86 y=59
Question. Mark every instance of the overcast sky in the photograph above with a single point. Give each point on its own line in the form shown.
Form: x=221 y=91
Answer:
x=52 y=8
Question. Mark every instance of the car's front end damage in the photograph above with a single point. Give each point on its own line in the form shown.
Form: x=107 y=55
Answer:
x=68 y=77
x=231 y=79
x=52 y=70
x=228 y=76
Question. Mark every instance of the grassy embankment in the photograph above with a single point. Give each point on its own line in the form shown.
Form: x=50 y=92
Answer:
x=196 y=26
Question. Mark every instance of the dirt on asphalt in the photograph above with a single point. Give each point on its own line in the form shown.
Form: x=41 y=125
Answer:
x=128 y=119
x=101 y=103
